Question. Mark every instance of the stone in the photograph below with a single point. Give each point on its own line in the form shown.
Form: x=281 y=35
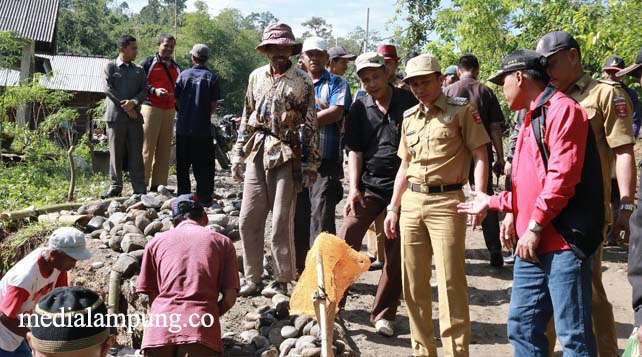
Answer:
x=108 y=225
x=308 y=327
x=114 y=242
x=266 y=320
x=216 y=228
x=138 y=255
x=311 y=352
x=93 y=208
x=126 y=265
x=304 y=341
x=271 y=352
x=265 y=331
x=153 y=228
x=289 y=332
x=97 y=265
x=248 y=325
x=132 y=242
x=340 y=345
x=235 y=213
x=115 y=206
x=230 y=195
x=167 y=224
x=117 y=217
x=315 y=330
x=260 y=342
x=228 y=209
x=104 y=236
x=151 y=214
x=229 y=335
x=262 y=309
x=286 y=346
x=250 y=316
x=237 y=203
x=219 y=219
x=142 y=222
x=282 y=310
x=247 y=336
x=300 y=322
x=150 y=201
x=275 y=336
x=167 y=204
x=218 y=211
x=278 y=298
x=131 y=228
x=96 y=234
x=234 y=235
x=130 y=202
x=138 y=206
x=95 y=223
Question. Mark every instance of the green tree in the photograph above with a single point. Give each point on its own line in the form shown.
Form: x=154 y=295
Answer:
x=259 y=21
x=317 y=27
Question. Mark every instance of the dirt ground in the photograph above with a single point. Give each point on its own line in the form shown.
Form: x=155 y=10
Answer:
x=488 y=290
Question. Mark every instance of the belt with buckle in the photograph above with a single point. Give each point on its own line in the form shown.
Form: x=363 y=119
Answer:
x=434 y=188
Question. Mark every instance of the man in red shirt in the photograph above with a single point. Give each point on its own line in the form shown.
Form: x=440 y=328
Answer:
x=549 y=278
x=183 y=272
x=158 y=111
x=32 y=278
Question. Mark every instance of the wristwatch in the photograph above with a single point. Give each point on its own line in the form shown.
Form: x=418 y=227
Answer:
x=627 y=207
x=391 y=208
x=533 y=226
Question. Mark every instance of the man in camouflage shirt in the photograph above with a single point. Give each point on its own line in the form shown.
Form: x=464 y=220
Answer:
x=279 y=139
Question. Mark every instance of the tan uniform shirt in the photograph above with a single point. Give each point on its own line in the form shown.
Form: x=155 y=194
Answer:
x=438 y=141
x=608 y=109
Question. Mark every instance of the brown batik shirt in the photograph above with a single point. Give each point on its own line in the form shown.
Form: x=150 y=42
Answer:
x=279 y=113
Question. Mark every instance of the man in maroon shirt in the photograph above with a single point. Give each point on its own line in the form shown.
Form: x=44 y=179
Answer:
x=183 y=272
x=550 y=276
x=158 y=111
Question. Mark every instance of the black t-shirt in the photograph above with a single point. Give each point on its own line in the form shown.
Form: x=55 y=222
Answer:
x=377 y=136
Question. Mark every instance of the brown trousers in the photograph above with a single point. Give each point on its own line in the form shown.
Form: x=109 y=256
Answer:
x=355 y=225
x=186 y=350
x=264 y=191
x=158 y=125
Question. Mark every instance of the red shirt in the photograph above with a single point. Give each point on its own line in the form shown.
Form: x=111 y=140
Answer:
x=187 y=267
x=158 y=78
x=541 y=195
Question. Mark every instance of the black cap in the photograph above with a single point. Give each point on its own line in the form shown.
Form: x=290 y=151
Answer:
x=519 y=60
x=634 y=69
x=340 y=52
x=556 y=41
x=61 y=310
x=615 y=63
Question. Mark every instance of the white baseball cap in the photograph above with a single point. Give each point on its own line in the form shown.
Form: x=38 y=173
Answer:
x=315 y=43
x=69 y=241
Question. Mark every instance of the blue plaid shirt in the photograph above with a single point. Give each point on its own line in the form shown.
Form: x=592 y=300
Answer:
x=331 y=90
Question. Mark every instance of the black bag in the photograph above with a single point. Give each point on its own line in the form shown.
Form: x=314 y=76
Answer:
x=581 y=222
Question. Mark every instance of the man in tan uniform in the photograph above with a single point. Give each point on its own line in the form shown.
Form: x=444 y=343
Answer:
x=609 y=111
x=439 y=138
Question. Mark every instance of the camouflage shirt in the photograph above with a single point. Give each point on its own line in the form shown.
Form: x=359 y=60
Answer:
x=275 y=111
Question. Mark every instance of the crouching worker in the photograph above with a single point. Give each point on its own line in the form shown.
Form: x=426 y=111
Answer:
x=183 y=272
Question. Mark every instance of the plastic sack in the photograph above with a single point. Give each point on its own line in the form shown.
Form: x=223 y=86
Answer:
x=632 y=349
x=342 y=265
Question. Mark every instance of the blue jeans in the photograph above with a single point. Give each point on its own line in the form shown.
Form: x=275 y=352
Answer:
x=560 y=285
x=22 y=351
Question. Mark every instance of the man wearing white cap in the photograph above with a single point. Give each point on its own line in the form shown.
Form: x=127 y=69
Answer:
x=30 y=279
x=315 y=206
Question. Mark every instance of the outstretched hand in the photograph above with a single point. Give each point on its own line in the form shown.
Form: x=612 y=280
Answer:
x=476 y=209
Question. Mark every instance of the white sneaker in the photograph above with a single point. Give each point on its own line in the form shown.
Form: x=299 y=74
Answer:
x=384 y=327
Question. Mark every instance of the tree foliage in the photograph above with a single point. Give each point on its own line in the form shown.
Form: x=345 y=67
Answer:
x=317 y=27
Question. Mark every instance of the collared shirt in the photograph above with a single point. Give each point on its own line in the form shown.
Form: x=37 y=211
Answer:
x=377 y=136
x=123 y=81
x=280 y=114
x=438 y=141
x=539 y=194
x=481 y=97
x=635 y=102
x=187 y=286
x=330 y=90
x=160 y=75
x=608 y=109
x=196 y=89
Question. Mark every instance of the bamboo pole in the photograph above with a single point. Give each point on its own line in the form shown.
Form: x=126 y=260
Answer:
x=324 y=311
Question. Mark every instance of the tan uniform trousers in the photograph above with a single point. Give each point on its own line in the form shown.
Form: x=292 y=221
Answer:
x=431 y=227
x=264 y=191
x=158 y=126
x=376 y=238
x=601 y=313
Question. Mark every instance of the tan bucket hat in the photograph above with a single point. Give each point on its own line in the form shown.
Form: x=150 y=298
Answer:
x=420 y=66
x=279 y=34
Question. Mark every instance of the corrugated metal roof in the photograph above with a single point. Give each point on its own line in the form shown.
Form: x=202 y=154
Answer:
x=32 y=19
x=69 y=73
x=75 y=73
